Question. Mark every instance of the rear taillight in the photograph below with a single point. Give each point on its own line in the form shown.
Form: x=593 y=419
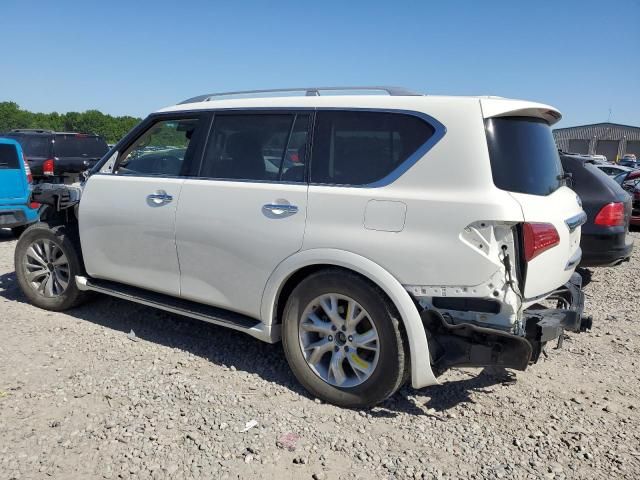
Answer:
x=34 y=205
x=47 y=167
x=539 y=237
x=27 y=170
x=611 y=215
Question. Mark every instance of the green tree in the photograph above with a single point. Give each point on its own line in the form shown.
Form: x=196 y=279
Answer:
x=92 y=121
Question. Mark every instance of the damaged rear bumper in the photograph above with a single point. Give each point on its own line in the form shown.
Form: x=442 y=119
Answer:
x=546 y=324
x=468 y=345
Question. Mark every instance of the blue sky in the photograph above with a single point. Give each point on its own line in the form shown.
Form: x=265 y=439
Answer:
x=134 y=57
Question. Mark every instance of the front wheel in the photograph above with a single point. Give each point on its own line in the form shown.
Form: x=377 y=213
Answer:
x=343 y=341
x=47 y=260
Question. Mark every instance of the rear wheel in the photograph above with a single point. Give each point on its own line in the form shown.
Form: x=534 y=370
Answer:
x=343 y=341
x=47 y=260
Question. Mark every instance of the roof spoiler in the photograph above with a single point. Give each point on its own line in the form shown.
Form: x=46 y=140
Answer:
x=500 y=107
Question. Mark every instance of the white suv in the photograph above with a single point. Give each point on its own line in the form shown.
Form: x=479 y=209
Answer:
x=381 y=237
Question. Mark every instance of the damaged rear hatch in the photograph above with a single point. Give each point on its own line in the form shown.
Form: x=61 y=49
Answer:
x=525 y=162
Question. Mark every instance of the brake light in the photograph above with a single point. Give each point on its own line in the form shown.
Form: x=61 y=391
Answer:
x=47 y=167
x=27 y=170
x=611 y=215
x=34 y=205
x=539 y=237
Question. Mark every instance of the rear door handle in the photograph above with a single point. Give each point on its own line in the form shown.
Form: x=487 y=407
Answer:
x=279 y=209
x=159 y=198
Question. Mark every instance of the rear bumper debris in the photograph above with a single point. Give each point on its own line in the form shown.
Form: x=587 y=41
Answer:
x=468 y=345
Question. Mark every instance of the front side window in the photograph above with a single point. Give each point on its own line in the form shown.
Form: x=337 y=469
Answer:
x=260 y=147
x=163 y=150
x=360 y=148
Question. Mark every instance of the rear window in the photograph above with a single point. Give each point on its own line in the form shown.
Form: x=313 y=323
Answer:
x=524 y=156
x=8 y=157
x=34 y=145
x=360 y=148
x=80 y=146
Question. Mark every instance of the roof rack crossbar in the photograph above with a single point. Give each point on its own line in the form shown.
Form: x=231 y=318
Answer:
x=309 y=91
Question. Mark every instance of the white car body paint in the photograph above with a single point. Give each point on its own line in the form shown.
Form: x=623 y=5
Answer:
x=421 y=373
x=446 y=240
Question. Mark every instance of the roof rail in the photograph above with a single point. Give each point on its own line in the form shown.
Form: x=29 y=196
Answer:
x=31 y=130
x=309 y=92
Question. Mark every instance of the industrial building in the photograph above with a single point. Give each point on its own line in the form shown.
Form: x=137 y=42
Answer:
x=609 y=139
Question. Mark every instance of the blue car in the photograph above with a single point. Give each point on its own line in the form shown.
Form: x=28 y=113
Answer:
x=16 y=212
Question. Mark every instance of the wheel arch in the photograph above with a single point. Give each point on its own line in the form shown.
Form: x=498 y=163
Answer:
x=303 y=263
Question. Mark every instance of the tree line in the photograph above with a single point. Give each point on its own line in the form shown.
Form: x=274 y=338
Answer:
x=92 y=121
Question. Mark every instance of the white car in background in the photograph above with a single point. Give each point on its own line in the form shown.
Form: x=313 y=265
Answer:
x=381 y=237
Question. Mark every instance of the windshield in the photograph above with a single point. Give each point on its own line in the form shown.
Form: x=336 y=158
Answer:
x=74 y=145
x=524 y=156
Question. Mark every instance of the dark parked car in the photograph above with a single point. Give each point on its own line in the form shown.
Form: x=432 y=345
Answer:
x=605 y=237
x=630 y=181
x=59 y=155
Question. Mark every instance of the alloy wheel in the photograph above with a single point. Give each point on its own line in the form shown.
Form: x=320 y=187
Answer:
x=46 y=268
x=339 y=340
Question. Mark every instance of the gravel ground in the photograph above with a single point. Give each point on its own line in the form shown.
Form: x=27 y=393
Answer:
x=81 y=397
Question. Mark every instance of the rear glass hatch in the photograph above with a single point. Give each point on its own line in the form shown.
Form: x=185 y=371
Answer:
x=524 y=156
x=34 y=145
x=75 y=145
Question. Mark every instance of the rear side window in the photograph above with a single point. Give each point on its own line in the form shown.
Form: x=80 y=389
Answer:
x=8 y=157
x=34 y=145
x=360 y=148
x=75 y=145
x=260 y=147
x=524 y=156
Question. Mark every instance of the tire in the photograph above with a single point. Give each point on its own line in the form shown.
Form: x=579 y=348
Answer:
x=31 y=257
x=17 y=231
x=387 y=368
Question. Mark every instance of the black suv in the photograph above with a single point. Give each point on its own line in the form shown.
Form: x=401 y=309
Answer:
x=59 y=155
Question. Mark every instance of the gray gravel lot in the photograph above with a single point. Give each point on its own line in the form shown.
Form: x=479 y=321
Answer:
x=81 y=398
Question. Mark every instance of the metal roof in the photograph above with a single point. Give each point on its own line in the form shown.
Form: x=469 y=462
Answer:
x=599 y=125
